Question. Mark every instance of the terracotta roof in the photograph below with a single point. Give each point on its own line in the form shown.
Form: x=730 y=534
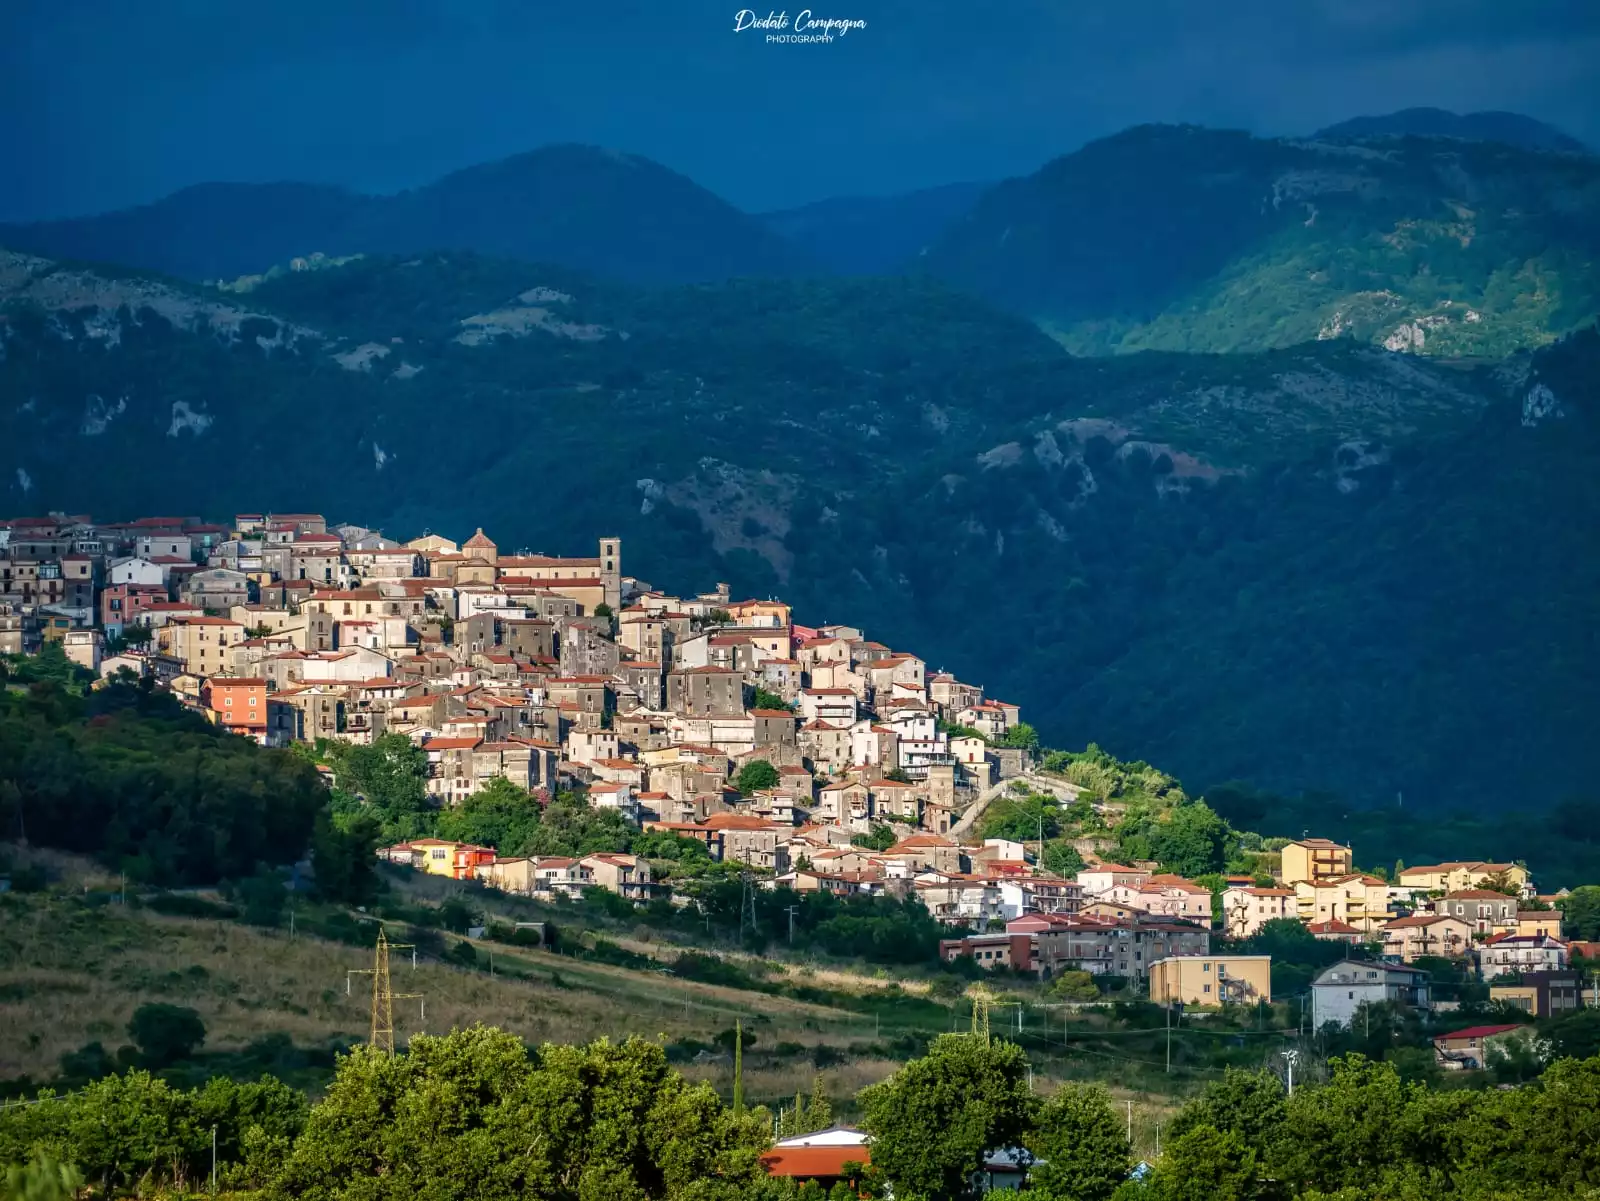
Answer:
x=1332 y=926
x=450 y=744
x=737 y=821
x=1475 y=1032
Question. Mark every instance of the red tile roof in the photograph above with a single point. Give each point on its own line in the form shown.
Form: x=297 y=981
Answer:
x=1475 y=1032
x=808 y=1163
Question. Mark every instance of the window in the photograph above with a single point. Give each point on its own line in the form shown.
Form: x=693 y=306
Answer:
x=1205 y=988
x=1205 y=967
x=1352 y=995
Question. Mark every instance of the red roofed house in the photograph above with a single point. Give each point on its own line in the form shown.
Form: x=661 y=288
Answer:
x=1468 y=1049
x=827 y=1164
x=440 y=857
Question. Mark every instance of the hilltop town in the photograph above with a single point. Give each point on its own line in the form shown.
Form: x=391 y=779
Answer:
x=812 y=757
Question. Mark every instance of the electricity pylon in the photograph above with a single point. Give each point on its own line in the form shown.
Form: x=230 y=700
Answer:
x=747 y=906
x=981 y=1000
x=383 y=994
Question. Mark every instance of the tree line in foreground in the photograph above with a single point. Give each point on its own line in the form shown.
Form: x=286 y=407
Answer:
x=477 y=1114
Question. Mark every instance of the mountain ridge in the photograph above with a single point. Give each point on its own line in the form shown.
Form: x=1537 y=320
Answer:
x=587 y=207
x=1514 y=129
x=1424 y=245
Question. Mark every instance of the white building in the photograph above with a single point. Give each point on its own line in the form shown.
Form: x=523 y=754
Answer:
x=1340 y=989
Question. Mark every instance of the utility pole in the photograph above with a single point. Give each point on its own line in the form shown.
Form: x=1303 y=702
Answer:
x=791 y=911
x=1130 y=1123
x=213 y=1159
x=1169 y=1040
x=1292 y=1054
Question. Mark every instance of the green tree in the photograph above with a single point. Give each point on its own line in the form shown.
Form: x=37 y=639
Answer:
x=343 y=858
x=1580 y=913
x=1022 y=818
x=768 y=700
x=262 y=898
x=571 y=826
x=42 y=1178
x=1063 y=859
x=932 y=1121
x=1207 y=1164
x=1082 y=1144
x=1249 y=1104
x=1076 y=986
x=391 y=775
x=1021 y=735
x=755 y=776
x=1575 y=1035
x=877 y=838
x=498 y=815
x=1352 y=1131
x=1192 y=840
x=473 y=1114
x=165 y=1033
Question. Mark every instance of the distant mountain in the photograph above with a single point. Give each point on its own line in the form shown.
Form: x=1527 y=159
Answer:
x=1182 y=238
x=871 y=235
x=591 y=209
x=1327 y=566
x=1511 y=128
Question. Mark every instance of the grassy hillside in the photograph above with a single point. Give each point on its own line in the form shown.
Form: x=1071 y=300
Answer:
x=77 y=964
x=75 y=972
x=1189 y=239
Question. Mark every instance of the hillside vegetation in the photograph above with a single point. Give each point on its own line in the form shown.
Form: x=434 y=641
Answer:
x=1247 y=567
x=1188 y=239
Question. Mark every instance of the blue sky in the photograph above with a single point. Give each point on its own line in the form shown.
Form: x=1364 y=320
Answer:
x=105 y=103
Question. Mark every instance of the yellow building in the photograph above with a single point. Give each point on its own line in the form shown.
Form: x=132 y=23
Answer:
x=1359 y=901
x=1534 y=922
x=200 y=643
x=1316 y=859
x=1458 y=877
x=1211 y=979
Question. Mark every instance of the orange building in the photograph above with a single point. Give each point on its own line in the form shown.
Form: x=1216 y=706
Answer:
x=237 y=705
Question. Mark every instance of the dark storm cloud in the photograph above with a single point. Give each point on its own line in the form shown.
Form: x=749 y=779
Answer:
x=104 y=103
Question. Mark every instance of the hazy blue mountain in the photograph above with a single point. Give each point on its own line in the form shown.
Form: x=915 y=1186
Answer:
x=1321 y=567
x=581 y=206
x=1513 y=129
x=869 y=235
x=1200 y=240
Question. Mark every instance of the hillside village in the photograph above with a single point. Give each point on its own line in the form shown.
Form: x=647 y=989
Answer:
x=818 y=759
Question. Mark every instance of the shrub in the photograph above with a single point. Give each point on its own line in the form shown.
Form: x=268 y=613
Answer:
x=165 y=1033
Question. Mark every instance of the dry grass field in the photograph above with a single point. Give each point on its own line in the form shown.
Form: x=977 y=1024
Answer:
x=71 y=974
